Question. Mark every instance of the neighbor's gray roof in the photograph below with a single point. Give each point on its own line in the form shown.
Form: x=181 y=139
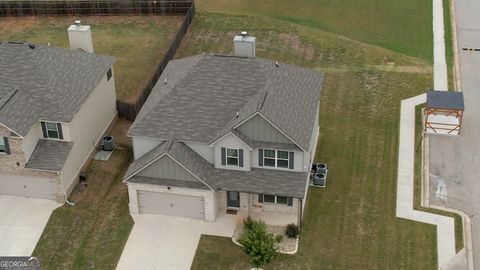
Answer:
x=275 y=182
x=51 y=82
x=445 y=100
x=202 y=94
x=49 y=155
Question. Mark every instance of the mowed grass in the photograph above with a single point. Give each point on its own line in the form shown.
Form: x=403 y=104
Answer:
x=404 y=26
x=351 y=224
x=91 y=234
x=137 y=43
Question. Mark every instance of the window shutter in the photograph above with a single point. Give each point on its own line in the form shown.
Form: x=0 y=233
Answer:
x=60 y=132
x=7 y=146
x=290 y=201
x=260 y=198
x=224 y=156
x=260 y=157
x=44 y=130
x=240 y=157
x=291 y=159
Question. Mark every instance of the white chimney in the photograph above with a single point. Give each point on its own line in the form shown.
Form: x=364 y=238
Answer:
x=80 y=37
x=244 y=45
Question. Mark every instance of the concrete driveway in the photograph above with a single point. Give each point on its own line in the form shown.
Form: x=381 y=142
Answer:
x=167 y=242
x=22 y=222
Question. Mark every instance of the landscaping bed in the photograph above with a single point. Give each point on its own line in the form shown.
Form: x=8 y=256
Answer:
x=287 y=245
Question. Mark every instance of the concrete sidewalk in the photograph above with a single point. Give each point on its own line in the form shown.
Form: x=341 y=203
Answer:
x=405 y=185
x=440 y=77
x=169 y=242
x=22 y=222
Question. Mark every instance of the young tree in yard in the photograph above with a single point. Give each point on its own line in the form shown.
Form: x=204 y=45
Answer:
x=258 y=243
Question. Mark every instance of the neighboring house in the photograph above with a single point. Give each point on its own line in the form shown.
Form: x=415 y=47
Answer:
x=55 y=104
x=226 y=132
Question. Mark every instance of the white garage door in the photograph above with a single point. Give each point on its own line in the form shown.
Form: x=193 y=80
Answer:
x=171 y=204
x=27 y=186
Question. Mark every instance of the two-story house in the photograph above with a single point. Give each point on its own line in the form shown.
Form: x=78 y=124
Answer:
x=55 y=104
x=225 y=133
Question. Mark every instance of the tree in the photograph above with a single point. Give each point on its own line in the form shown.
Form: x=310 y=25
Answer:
x=258 y=243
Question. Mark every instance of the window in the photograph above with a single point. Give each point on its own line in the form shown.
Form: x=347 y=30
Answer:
x=109 y=74
x=282 y=159
x=275 y=158
x=232 y=157
x=269 y=158
x=52 y=130
x=264 y=198
x=269 y=198
x=3 y=145
x=282 y=200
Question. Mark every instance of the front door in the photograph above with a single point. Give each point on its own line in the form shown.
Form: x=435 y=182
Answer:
x=233 y=199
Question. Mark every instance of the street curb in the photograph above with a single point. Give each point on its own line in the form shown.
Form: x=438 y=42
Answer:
x=425 y=202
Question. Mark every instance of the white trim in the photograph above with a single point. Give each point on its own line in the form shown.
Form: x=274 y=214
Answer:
x=233 y=134
x=11 y=130
x=57 y=130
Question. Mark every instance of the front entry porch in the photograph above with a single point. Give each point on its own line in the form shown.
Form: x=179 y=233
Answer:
x=277 y=211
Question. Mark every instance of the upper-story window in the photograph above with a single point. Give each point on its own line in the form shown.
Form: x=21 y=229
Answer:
x=232 y=157
x=52 y=130
x=277 y=158
x=4 y=147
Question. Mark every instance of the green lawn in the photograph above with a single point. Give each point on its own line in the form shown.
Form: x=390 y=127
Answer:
x=95 y=230
x=138 y=43
x=404 y=26
x=351 y=223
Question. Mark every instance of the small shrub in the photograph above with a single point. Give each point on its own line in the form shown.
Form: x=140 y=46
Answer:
x=248 y=223
x=279 y=238
x=258 y=243
x=292 y=230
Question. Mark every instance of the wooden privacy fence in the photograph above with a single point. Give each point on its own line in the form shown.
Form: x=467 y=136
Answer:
x=128 y=110
x=10 y=8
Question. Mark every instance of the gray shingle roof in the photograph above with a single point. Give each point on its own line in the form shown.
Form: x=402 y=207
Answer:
x=267 y=181
x=445 y=100
x=167 y=182
x=49 y=155
x=51 y=82
x=204 y=92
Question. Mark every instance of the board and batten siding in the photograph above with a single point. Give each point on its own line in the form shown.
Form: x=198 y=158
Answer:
x=167 y=168
x=87 y=128
x=257 y=128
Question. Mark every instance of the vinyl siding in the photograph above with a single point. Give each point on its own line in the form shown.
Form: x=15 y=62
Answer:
x=141 y=146
x=231 y=141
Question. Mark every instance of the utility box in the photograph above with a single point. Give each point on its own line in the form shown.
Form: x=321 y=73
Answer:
x=80 y=37
x=244 y=45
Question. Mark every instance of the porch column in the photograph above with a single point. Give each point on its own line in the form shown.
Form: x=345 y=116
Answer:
x=249 y=207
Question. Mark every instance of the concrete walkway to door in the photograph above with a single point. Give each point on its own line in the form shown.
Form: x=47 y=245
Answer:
x=169 y=242
x=22 y=222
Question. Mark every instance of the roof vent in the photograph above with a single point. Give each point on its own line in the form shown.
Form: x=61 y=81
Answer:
x=237 y=115
x=276 y=64
x=165 y=81
x=244 y=33
x=78 y=23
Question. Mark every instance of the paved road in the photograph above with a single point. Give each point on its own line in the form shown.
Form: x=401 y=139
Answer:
x=455 y=162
